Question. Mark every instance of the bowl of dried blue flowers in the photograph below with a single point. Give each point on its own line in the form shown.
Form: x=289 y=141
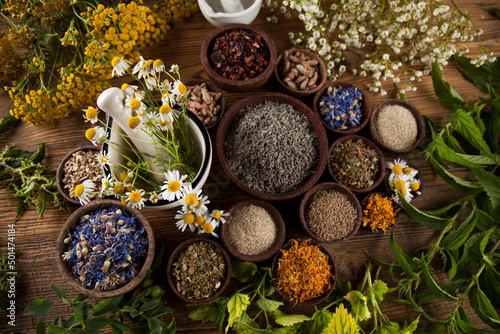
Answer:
x=199 y=270
x=105 y=248
x=344 y=108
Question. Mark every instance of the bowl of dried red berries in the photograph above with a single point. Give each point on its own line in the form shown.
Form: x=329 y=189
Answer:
x=238 y=57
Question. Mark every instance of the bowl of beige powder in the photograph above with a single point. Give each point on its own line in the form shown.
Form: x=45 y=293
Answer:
x=254 y=231
x=397 y=126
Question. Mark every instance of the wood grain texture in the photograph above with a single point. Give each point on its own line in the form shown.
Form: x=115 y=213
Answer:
x=37 y=238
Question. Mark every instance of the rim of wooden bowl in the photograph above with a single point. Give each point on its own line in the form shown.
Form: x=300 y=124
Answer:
x=305 y=202
x=238 y=85
x=60 y=172
x=280 y=235
x=175 y=255
x=212 y=87
x=415 y=112
x=379 y=231
x=296 y=92
x=313 y=301
x=381 y=173
x=226 y=122
x=74 y=219
x=367 y=111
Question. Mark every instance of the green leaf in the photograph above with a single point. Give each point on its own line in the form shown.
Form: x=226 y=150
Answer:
x=56 y=329
x=483 y=77
x=407 y=263
x=434 y=222
x=342 y=323
x=491 y=185
x=7 y=123
x=469 y=161
x=171 y=328
x=451 y=261
x=236 y=305
x=446 y=211
x=479 y=160
x=454 y=144
x=70 y=322
x=107 y=305
x=40 y=327
x=320 y=320
x=39 y=307
x=490 y=284
x=433 y=286
x=160 y=311
x=467 y=328
x=158 y=258
x=59 y=290
x=39 y=155
x=359 y=304
x=203 y=313
x=482 y=306
x=491 y=120
x=288 y=320
x=154 y=326
x=81 y=312
x=379 y=289
x=455 y=183
x=148 y=306
x=448 y=97
x=454 y=239
x=219 y=314
x=97 y=322
x=268 y=304
x=465 y=125
x=402 y=95
x=119 y=325
x=243 y=271
x=79 y=297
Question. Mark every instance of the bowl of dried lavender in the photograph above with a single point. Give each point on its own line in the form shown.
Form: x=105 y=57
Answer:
x=272 y=146
x=330 y=213
x=254 y=230
x=304 y=272
x=80 y=164
x=198 y=270
x=105 y=248
x=357 y=163
x=238 y=57
x=300 y=73
x=344 y=108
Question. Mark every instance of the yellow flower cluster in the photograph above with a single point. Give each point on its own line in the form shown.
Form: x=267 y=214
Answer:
x=10 y=62
x=183 y=8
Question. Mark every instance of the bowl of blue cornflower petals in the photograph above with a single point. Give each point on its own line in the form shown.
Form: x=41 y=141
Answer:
x=344 y=108
x=105 y=248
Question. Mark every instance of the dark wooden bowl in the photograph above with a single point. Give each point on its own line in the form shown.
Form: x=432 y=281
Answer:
x=228 y=118
x=175 y=255
x=280 y=236
x=418 y=118
x=74 y=219
x=304 y=206
x=310 y=302
x=238 y=85
x=381 y=167
x=212 y=88
x=363 y=203
x=60 y=174
x=390 y=191
x=367 y=111
x=322 y=72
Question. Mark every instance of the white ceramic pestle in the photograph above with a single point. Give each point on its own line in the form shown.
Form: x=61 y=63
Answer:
x=111 y=101
x=232 y=6
x=223 y=12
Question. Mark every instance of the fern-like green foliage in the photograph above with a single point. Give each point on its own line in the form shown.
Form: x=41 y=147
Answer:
x=342 y=323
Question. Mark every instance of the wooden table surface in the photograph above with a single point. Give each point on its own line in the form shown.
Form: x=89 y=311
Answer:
x=37 y=238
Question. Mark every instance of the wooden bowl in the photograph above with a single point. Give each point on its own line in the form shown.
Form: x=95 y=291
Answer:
x=237 y=85
x=306 y=200
x=225 y=125
x=60 y=173
x=310 y=302
x=211 y=87
x=366 y=107
x=175 y=255
x=363 y=204
x=74 y=220
x=418 y=118
x=321 y=70
x=381 y=162
x=280 y=235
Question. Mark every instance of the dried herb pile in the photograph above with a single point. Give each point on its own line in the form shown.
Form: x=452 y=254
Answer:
x=379 y=212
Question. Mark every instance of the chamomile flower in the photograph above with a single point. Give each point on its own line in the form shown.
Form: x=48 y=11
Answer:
x=153 y=197
x=119 y=189
x=133 y=122
x=141 y=68
x=103 y=158
x=106 y=183
x=166 y=114
x=201 y=220
x=83 y=190
x=200 y=208
x=191 y=196
x=158 y=66
x=209 y=227
x=165 y=125
x=151 y=83
x=129 y=89
x=179 y=88
x=411 y=172
x=406 y=194
x=218 y=216
x=135 y=198
x=173 y=185
x=91 y=115
x=96 y=135
x=415 y=186
x=134 y=104
x=120 y=65
x=174 y=68
x=185 y=219
x=397 y=166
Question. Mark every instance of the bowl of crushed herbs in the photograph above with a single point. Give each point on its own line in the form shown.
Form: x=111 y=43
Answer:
x=380 y=213
x=105 y=248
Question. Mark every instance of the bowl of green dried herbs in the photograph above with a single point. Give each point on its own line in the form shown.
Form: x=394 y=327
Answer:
x=357 y=163
x=105 y=248
x=199 y=270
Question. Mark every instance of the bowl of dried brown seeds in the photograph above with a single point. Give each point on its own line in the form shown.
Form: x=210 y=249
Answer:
x=300 y=73
x=330 y=213
x=80 y=164
x=206 y=100
x=199 y=270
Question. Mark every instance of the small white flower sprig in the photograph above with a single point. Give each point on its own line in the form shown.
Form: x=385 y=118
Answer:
x=161 y=124
x=401 y=33
x=403 y=178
